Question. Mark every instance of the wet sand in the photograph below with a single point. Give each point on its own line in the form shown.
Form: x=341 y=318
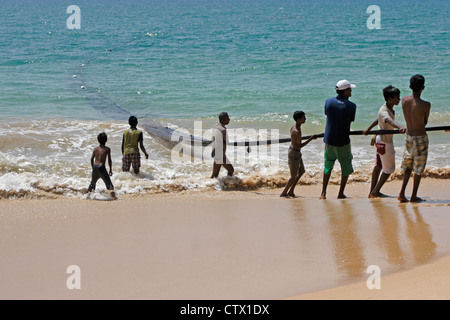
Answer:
x=229 y=245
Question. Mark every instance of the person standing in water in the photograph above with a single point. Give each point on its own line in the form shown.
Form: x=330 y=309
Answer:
x=132 y=140
x=220 y=141
x=100 y=155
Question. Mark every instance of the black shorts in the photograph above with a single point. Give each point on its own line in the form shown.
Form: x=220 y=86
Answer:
x=99 y=172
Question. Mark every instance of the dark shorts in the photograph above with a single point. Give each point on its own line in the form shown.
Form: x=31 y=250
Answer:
x=131 y=159
x=99 y=172
x=295 y=162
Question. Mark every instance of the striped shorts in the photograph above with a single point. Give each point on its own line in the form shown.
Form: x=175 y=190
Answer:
x=131 y=159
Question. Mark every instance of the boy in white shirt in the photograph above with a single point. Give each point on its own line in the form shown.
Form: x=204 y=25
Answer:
x=385 y=142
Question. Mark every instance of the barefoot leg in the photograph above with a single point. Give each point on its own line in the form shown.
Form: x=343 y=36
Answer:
x=341 y=194
x=326 y=179
x=406 y=175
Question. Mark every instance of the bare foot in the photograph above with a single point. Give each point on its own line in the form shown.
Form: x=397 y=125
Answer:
x=322 y=196
x=416 y=199
x=377 y=195
x=402 y=199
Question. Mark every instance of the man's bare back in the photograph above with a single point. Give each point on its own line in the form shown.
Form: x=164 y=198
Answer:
x=100 y=155
x=416 y=112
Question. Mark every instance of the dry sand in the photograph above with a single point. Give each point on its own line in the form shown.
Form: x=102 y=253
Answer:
x=229 y=245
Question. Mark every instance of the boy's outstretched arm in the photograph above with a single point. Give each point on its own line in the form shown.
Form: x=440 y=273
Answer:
x=313 y=137
x=393 y=123
x=366 y=132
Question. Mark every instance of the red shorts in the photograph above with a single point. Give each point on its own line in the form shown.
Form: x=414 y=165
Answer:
x=380 y=150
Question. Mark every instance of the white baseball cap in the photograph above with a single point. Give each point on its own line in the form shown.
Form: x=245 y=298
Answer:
x=344 y=84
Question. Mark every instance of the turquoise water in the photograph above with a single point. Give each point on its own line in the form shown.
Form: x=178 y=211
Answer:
x=197 y=58
x=181 y=61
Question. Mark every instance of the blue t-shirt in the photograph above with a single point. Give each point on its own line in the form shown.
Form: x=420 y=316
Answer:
x=340 y=114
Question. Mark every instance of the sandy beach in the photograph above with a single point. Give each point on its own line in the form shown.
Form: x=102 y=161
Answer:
x=229 y=245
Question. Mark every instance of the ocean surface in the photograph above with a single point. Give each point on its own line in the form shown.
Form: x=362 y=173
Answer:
x=180 y=63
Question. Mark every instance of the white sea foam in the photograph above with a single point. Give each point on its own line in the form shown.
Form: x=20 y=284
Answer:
x=18 y=182
x=53 y=157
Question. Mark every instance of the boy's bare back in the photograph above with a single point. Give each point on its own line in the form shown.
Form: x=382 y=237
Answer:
x=416 y=112
x=100 y=155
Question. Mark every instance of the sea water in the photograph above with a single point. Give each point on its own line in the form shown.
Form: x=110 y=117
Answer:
x=180 y=63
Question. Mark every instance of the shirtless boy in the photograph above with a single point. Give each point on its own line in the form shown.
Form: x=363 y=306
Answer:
x=416 y=112
x=295 y=160
x=98 y=164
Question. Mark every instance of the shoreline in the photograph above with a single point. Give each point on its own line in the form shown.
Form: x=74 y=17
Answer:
x=228 y=245
x=253 y=182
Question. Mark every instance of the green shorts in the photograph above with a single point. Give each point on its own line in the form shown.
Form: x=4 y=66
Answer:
x=343 y=155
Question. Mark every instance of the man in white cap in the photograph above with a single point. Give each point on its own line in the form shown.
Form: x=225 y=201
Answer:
x=340 y=114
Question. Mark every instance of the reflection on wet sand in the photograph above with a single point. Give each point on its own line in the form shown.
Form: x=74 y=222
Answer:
x=388 y=220
x=419 y=234
x=343 y=231
x=385 y=233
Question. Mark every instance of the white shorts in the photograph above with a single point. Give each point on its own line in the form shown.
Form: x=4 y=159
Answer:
x=386 y=154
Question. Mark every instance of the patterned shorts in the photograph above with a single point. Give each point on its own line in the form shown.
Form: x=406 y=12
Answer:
x=295 y=162
x=133 y=158
x=415 y=154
